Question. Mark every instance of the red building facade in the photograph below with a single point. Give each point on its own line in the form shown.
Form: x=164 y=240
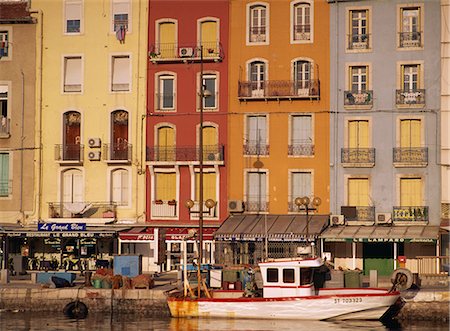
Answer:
x=187 y=50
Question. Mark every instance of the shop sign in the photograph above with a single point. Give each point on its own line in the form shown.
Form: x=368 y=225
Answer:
x=381 y=240
x=62 y=227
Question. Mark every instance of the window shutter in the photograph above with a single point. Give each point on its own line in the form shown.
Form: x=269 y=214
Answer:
x=121 y=73
x=72 y=79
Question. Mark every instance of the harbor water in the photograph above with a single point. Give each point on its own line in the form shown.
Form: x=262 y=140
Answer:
x=21 y=321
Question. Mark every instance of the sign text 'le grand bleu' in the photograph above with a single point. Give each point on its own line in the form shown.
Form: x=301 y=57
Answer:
x=62 y=227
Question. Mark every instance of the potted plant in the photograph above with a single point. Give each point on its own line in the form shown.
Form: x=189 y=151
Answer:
x=172 y=202
x=158 y=202
x=210 y=50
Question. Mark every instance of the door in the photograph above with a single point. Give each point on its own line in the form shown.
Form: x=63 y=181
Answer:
x=165 y=150
x=71 y=140
x=119 y=148
x=256 y=196
x=72 y=190
x=302 y=79
x=257 y=78
x=378 y=256
x=210 y=149
x=208 y=35
x=167 y=46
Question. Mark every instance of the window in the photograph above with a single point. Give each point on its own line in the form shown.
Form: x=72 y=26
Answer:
x=358 y=134
x=410 y=27
x=256 y=191
x=301 y=136
x=257 y=23
x=73 y=13
x=288 y=275
x=71 y=137
x=165 y=186
x=73 y=188
x=305 y=276
x=358 y=94
x=301 y=185
x=73 y=74
x=4 y=43
x=120 y=187
x=410 y=152
x=359 y=36
x=119 y=149
x=302 y=77
x=121 y=15
x=209 y=38
x=210 y=85
x=166 y=46
x=410 y=133
x=411 y=91
x=256 y=140
x=358 y=192
x=411 y=192
x=165 y=98
x=211 y=150
x=358 y=78
x=4 y=110
x=302 y=22
x=272 y=275
x=209 y=186
x=165 y=150
x=410 y=77
x=121 y=73
x=257 y=78
x=5 y=184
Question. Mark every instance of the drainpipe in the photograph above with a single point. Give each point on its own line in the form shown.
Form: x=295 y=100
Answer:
x=22 y=137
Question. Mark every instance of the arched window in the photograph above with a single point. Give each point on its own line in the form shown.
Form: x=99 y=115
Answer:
x=302 y=21
x=120 y=187
x=72 y=187
x=165 y=149
x=257 y=77
x=120 y=149
x=166 y=47
x=258 y=24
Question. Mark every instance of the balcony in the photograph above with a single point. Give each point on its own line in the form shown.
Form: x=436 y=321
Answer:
x=410 y=98
x=410 y=156
x=410 y=214
x=358 y=213
x=254 y=204
x=69 y=153
x=89 y=210
x=410 y=39
x=5 y=188
x=174 y=52
x=211 y=153
x=358 y=157
x=118 y=152
x=278 y=90
x=255 y=148
x=302 y=32
x=164 y=208
x=358 y=41
x=5 y=126
x=358 y=99
x=301 y=149
x=257 y=34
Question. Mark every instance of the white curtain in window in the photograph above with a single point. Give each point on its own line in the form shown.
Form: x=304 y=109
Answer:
x=257 y=129
x=257 y=186
x=72 y=71
x=120 y=187
x=301 y=184
x=72 y=186
x=121 y=72
x=301 y=129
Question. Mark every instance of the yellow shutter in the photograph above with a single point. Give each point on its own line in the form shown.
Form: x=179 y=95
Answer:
x=410 y=192
x=167 y=40
x=209 y=38
x=358 y=192
x=358 y=134
x=415 y=133
x=166 y=144
x=363 y=134
x=352 y=134
x=410 y=133
x=165 y=186
x=209 y=186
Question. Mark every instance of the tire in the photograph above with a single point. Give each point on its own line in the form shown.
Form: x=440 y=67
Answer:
x=76 y=309
x=402 y=279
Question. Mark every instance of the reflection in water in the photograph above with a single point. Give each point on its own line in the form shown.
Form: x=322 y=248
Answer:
x=58 y=322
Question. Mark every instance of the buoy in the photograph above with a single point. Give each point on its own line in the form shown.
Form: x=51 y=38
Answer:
x=76 y=309
x=402 y=279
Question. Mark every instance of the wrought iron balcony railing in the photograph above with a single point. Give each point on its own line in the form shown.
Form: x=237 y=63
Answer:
x=410 y=97
x=84 y=209
x=69 y=152
x=302 y=32
x=363 y=214
x=179 y=154
x=358 y=157
x=411 y=156
x=5 y=125
x=410 y=39
x=358 y=98
x=118 y=152
x=279 y=89
x=254 y=203
x=164 y=208
x=257 y=34
x=5 y=188
x=410 y=214
x=358 y=41
x=174 y=52
x=301 y=149
x=256 y=148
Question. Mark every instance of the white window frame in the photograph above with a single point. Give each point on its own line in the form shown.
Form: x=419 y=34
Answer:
x=291 y=131
x=249 y=16
x=260 y=90
x=67 y=14
x=208 y=75
x=262 y=141
x=60 y=175
x=6 y=40
x=159 y=90
x=115 y=9
x=264 y=195
x=293 y=18
x=4 y=120
x=126 y=76
x=349 y=28
x=77 y=83
x=421 y=25
x=126 y=192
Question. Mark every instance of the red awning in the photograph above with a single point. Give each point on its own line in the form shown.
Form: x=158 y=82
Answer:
x=138 y=234
x=182 y=233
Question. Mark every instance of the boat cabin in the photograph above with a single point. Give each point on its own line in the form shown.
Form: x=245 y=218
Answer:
x=288 y=278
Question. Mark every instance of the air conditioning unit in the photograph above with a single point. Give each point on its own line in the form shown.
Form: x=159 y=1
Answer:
x=94 y=142
x=94 y=155
x=337 y=220
x=235 y=206
x=186 y=51
x=213 y=156
x=383 y=218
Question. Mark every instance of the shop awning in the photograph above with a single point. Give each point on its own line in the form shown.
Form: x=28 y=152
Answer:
x=138 y=234
x=277 y=227
x=32 y=232
x=425 y=233
x=183 y=233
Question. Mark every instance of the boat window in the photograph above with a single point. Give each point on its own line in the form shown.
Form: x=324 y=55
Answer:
x=305 y=276
x=272 y=275
x=288 y=275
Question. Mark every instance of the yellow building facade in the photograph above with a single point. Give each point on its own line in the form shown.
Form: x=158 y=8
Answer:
x=279 y=106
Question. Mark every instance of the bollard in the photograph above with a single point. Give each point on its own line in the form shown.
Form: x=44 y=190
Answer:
x=373 y=280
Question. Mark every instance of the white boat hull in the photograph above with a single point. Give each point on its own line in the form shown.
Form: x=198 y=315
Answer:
x=329 y=304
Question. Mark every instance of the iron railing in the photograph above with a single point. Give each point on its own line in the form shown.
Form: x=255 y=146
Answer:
x=410 y=97
x=410 y=214
x=358 y=41
x=363 y=214
x=256 y=148
x=359 y=156
x=301 y=149
x=69 y=152
x=5 y=188
x=178 y=154
x=410 y=155
x=410 y=39
x=279 y=89
x=160 y=52
x=302 y=32
x=255 y=203
x=84 y=209
x=118 y=152
x=358 y=98
x=257 y=34
x=164 y=208
x=433 y=264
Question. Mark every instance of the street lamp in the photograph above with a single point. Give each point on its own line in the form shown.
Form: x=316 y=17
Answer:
x=303 y=204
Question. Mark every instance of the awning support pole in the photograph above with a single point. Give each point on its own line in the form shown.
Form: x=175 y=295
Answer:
x=395 y=255
x=354 y=255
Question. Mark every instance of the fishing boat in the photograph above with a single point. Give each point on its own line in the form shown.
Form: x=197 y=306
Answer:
x=288 y=292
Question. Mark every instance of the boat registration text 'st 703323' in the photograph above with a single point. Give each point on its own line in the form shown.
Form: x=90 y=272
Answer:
x=347 y=300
